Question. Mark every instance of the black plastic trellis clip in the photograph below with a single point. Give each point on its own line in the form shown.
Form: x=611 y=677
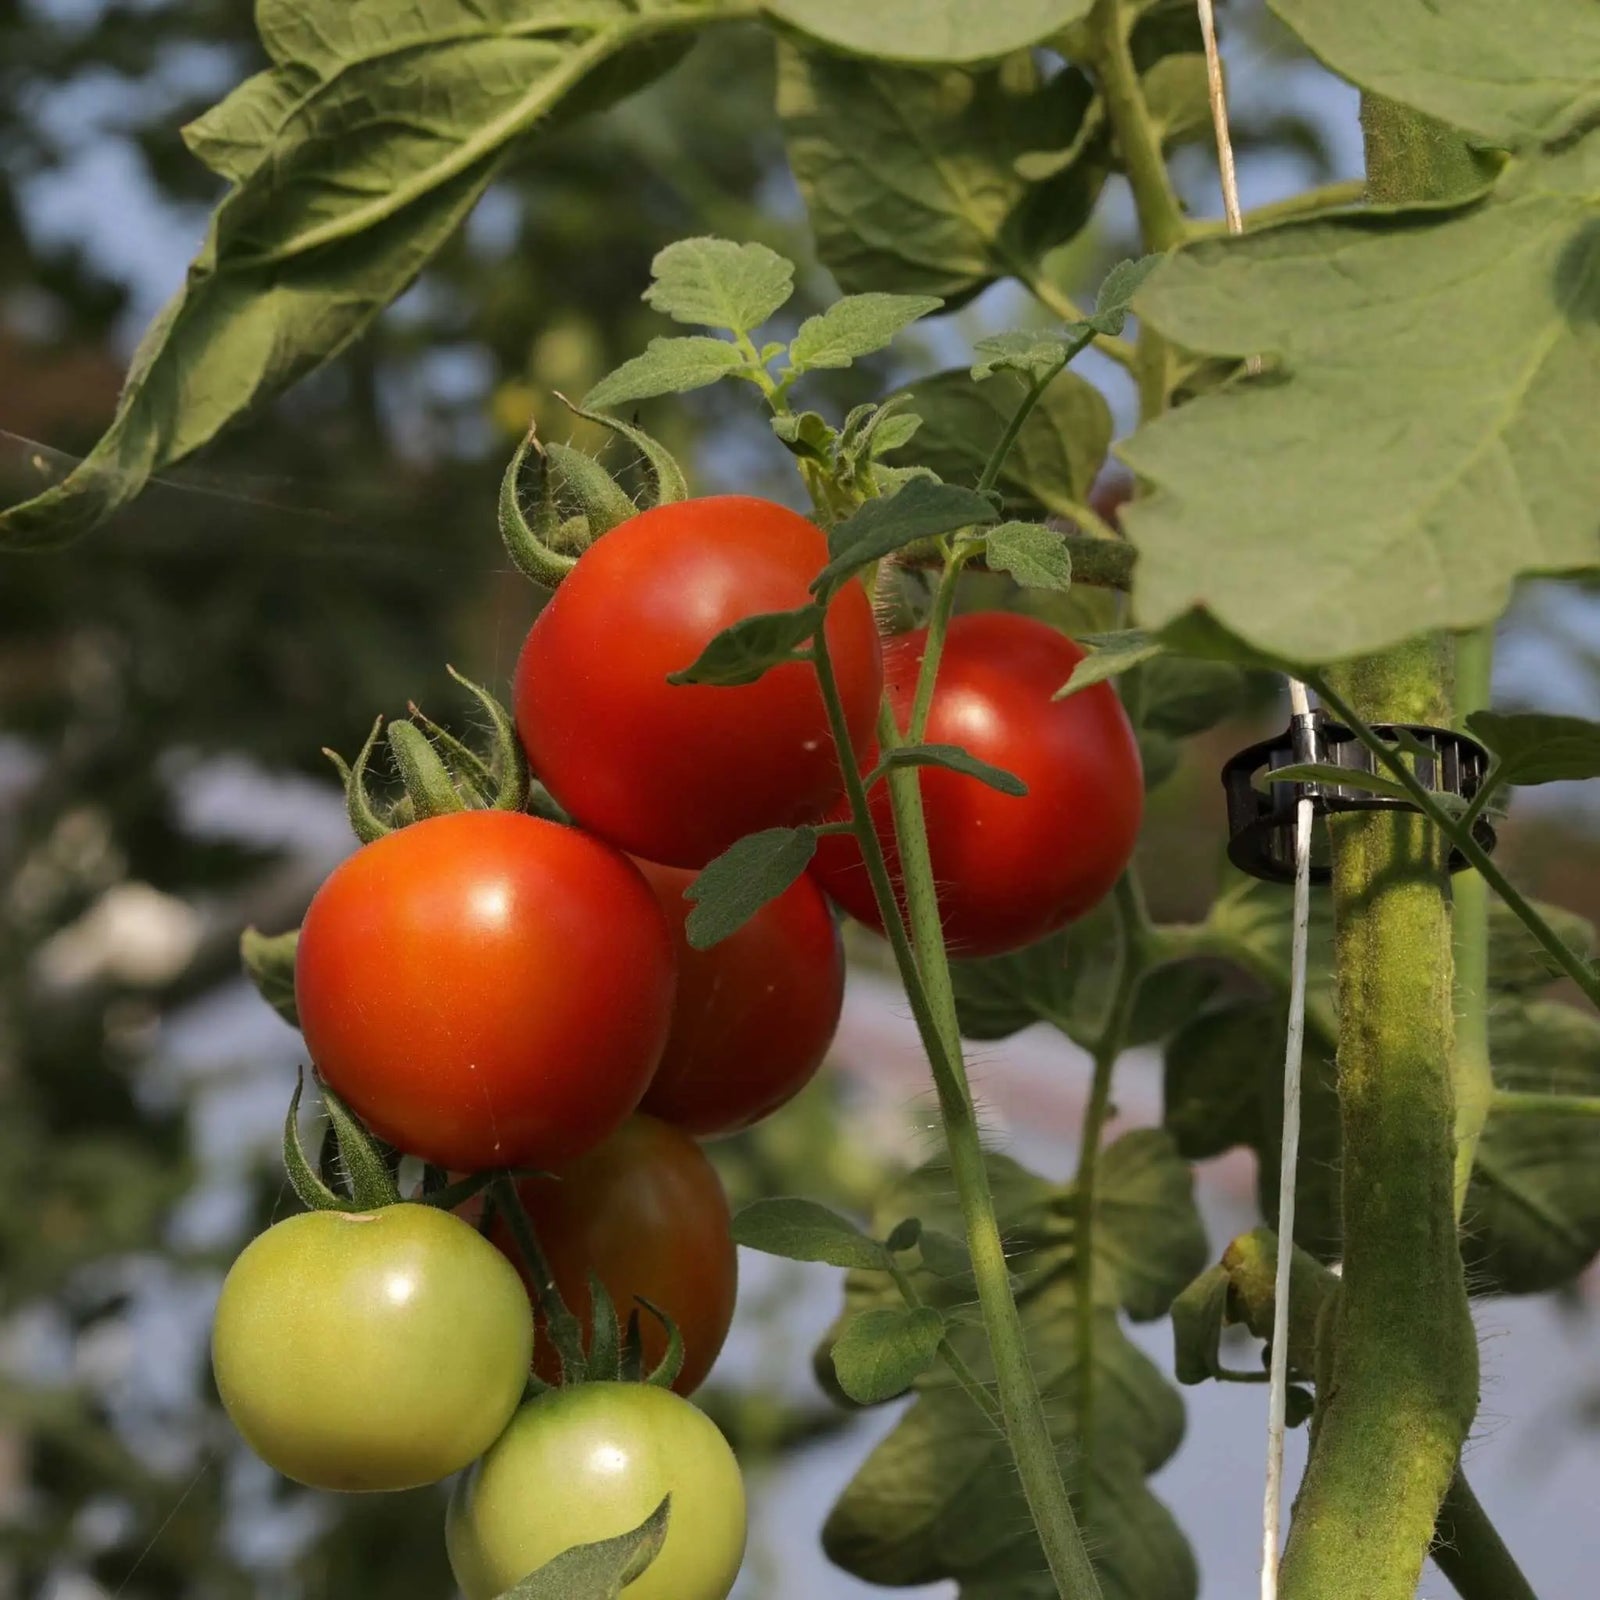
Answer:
x=1261 y=812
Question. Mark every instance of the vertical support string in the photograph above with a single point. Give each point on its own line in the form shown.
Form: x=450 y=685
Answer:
x=1299 y=705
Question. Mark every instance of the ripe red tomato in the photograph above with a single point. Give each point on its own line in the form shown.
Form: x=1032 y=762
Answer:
x=486 y=989
x=1010 y=869
x=591 y=1462
x=370 y=1350
x=647 y=1214
x=755 y=1014
x=677 y=773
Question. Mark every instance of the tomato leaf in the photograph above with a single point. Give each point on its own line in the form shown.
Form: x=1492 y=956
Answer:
x=1109 y=655
x=599 y=1571
x=953 y=759
x=752 y=647
x=1199 y=1315
x=1326 y=772
x=1531 y=749
x=269 y=964
x=881 y=1353
x=856 y=326
x=1518 y=963
x=929 y=30
x=1051 y=468
x=1511 y=76
x=351 y=161
x=803 y=1230
x=1150 y=1241
x=1117 y=289
x=1367 y=322
x=1034 y=555
x=669 y=366
x=911 y=177
x=748 y=874
x=715 y=283
x=923 y=509
x=1532 y=1217
x=904 y=1235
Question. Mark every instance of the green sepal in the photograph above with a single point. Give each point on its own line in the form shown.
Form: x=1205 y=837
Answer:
x=605 y=1338
x=428 y=783
x=366 y=1171
x=667 y=482
x=534 y=543
x=602 y=500
x=366 y=823
x=630 y=1368
x=671 y=1364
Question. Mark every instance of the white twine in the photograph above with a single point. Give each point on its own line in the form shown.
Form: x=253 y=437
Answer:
x=1299 y=705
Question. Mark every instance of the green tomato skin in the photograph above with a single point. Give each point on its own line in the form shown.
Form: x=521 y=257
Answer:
x=374 y=1350
x=589 y=1462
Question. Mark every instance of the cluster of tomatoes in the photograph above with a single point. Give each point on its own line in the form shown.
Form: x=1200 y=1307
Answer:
x=489 y=990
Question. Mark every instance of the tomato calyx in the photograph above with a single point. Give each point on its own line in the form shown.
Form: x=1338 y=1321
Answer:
x=571 y=499
x=441 y=774
x=614 y=1355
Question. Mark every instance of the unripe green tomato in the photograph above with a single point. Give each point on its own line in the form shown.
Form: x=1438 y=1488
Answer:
x=371 y=1350
x=592 y=1461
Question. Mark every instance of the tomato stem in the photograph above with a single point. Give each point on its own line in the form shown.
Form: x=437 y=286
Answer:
x=925 y=972
x=559 y=1320
x=1131 y=966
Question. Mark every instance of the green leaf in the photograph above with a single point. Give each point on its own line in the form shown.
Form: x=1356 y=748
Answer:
x=1180 y=696
x=881 y=1353
x=748 y=874
x=1348 y=777
x=1035 y=556
x=752 y=647
x=1513 y=75
x=955 y=759
x=1518 y=963
x=714 y=283
x=1368 y=322
x=1532 y=1216
x=599 y=1571
x=904 y=1235
x=1532 y=748
x=921 y=510
x=1036 y=355
x=353 y=161
x=856 y=326
x=1149 y=1237
x=1117 y=290
x=1056 y=459
x=668 y=366
x=910 y=177
x=805 y=434
x=269 y=964
x=938 y=1499
x=1199 y=1316
x=1110 y=654
x=929 y=30
x=803 y=1230
x=1223 y=1087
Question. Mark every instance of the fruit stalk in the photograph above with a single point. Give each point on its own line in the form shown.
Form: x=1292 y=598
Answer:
x=925 y=972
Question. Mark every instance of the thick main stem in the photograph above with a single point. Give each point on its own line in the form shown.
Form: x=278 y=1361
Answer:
x=925 y=972
x=1402 y=1368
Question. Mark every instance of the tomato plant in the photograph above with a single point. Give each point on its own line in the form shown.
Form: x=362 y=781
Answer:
x=677 y=772
x=754 y=1015
x=371 y=1350
x=1011 y=869
x=579 y=1465
x=486 y=989
x=646 y=1213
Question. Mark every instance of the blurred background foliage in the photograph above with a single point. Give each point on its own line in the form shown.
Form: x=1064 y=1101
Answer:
x=166 y=686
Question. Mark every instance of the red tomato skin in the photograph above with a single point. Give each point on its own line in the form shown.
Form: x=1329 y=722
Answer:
x=755 y=1014
x=1009 y=869
x=647 y=1213
x=677 y=773
x=486 y=988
